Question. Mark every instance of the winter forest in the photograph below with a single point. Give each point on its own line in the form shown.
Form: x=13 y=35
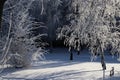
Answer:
x=59 y=39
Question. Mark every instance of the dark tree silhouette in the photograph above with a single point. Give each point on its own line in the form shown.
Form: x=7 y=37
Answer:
x=1 y=10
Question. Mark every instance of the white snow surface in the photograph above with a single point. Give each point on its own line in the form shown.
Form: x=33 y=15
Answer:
x=57 y=66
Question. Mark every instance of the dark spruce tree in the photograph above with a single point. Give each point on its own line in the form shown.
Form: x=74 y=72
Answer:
x=2 y=2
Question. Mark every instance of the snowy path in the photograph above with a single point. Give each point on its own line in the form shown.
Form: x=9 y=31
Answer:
x=60 y=68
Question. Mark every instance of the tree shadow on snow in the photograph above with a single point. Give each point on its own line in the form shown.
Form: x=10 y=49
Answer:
x=67 y=75
x=52 y=64
x=111 y=78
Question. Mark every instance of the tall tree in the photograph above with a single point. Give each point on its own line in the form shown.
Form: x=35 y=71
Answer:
x=52 y=12
x=91 y=22
x=19 y=49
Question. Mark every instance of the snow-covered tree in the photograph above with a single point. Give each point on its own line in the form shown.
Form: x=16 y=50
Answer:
x=53 y=18
x=50 y=14
x=90 y=23
x=19 y=49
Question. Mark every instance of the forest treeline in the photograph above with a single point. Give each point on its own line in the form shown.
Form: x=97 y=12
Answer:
x=27 y=24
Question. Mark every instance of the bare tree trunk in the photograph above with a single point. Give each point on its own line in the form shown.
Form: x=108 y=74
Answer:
x=2 y=2
x=103 y=64
x=71 y=54
x=51 y=46
x=103 y=74
x=78 y=52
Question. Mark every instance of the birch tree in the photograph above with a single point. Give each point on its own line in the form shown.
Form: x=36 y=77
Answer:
x=91 y=23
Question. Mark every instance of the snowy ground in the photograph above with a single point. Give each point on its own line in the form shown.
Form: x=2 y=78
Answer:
x=57 y=66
